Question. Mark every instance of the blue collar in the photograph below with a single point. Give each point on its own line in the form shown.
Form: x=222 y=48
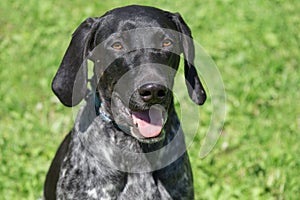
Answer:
x=105 y=116
x=99 y=109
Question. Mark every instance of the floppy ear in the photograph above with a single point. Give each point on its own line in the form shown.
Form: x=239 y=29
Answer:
x=70 y=81
x=194 y=86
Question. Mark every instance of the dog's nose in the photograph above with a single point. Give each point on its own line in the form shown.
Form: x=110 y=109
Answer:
x=152 y=92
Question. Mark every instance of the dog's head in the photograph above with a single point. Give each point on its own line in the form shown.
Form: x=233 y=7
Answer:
x=136 y=53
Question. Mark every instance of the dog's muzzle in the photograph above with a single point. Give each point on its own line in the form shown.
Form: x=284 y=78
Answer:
x=144 y=114
x=149 y=123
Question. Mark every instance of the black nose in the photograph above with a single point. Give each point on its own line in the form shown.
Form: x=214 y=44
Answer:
x=152 y=93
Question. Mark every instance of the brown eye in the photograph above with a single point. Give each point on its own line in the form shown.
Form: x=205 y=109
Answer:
x=117 y=46
x=167 y=43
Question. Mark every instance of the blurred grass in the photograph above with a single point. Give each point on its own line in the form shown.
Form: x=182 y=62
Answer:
x=256 y=46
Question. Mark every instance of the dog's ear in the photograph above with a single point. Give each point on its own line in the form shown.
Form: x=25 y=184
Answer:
x=70 y=81
x=194 y=86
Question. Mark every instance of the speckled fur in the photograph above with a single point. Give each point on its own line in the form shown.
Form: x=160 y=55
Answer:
x=88 y=172
x=97 y=160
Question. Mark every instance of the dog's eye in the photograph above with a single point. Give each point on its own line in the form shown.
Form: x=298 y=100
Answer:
x=117 y=46
x=166 y=43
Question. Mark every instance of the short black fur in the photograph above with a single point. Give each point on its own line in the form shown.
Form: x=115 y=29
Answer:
x=87 y=166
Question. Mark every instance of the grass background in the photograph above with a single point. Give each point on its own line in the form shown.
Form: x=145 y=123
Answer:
x=254 y=43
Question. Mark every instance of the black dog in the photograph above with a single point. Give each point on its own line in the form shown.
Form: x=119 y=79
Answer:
x=126 y=142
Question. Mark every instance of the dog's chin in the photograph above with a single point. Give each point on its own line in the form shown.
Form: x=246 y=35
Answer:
x=152 y=140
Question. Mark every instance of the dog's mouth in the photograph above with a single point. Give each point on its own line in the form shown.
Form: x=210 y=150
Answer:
x=149 y=123
x=144 y=122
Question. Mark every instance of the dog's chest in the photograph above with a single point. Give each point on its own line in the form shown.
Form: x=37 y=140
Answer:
x=87 y=171
x=91 y=169
x=82 y=176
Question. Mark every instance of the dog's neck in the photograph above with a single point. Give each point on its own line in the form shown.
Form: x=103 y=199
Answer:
x=99 y=109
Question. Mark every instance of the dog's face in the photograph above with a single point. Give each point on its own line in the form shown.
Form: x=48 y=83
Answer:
x=136 y=52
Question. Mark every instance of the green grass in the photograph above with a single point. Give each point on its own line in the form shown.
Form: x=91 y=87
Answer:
x=256 y=46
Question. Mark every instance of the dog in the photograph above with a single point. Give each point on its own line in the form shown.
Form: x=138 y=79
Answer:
x=127 y=142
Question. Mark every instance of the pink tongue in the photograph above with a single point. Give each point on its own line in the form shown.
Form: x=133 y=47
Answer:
x=149 y=122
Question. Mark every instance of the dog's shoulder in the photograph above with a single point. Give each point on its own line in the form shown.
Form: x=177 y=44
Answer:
x=85 y=172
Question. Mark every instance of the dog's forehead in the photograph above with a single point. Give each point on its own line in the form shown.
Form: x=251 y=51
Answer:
x=125 y=19
x=132 y=17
